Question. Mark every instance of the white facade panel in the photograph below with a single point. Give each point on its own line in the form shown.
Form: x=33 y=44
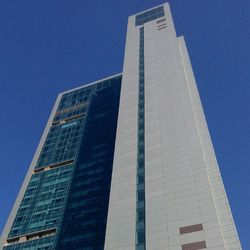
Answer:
x=183 y=186
x=120 y=232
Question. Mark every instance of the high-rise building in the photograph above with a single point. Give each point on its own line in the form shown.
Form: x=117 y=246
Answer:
x=127 y=162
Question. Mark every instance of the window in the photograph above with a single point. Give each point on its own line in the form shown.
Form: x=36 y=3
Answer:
x=149 y=16
x=140 y=237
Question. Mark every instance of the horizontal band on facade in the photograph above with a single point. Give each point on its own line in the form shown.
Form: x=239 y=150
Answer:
x=194 y=246
x=56 y=165
x=161 y=20
x=68 y=119
x=163 y=27
x=71 y=108
x=30 y=236
x=191 y=229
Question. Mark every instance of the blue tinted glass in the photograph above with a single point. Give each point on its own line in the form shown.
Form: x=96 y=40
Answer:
x=149 y=16
x=85 y=218
x=65 y=204
x=140 y=189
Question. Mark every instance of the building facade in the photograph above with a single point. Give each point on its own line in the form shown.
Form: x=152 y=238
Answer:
x=127 y=163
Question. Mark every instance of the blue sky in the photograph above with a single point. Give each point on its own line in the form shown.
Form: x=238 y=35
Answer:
x=48 y=46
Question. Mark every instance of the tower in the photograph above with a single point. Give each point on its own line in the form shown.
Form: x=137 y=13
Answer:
x=127 y=162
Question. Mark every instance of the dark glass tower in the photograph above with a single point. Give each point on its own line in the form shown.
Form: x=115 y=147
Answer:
x=65 y=204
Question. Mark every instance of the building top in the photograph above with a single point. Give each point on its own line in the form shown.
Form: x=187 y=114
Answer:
x=91 y=83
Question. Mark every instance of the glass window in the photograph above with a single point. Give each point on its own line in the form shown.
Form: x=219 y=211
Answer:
x=149 y=15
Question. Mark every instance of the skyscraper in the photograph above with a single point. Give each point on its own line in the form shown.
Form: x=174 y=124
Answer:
x=127 y=162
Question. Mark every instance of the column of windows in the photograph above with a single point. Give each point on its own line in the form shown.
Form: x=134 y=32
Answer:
x=140 y=205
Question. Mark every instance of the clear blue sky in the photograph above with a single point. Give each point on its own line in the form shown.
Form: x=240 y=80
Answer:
x=47 y=46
